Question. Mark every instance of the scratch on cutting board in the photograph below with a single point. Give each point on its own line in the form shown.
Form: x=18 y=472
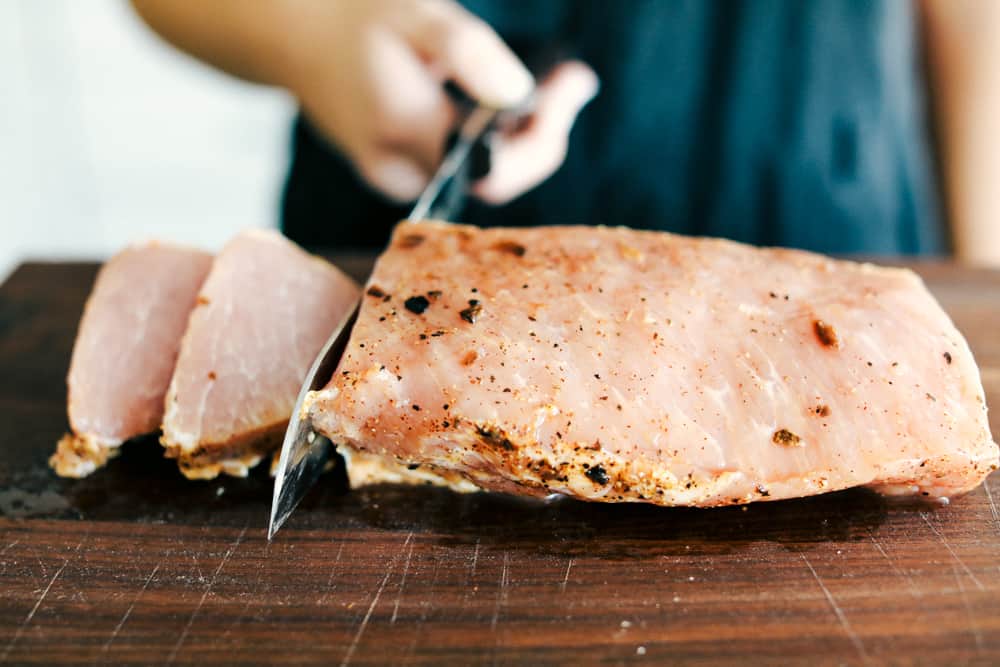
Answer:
x=569 y=566
x=425 y=605
x=5 y=550
x=128 y=612
x=257 y=586
x=364 y=622
x=204 y=596
x=500 y=604
x=194 y=561
x=973 y=626
x=475 y=559
x=402 y=581
x=838 y=612
x=909 y=580
x=371 y=608
x=31 y=614
x=502 y=593
x=993 y=506
x=330 y=585
x=951 y=551
x=38 y=603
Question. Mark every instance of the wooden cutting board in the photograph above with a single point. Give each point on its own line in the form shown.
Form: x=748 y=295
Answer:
x=136 y=564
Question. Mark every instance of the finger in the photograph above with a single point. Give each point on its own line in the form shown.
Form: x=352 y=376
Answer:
x=410 y=113
x=523 y=160
x=395 y=175
x=466 y=50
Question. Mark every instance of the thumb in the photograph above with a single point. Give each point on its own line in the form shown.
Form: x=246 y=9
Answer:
x=466 y=50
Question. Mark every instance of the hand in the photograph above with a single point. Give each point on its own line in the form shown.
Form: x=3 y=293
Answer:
x=370 y=76
x=521 y=159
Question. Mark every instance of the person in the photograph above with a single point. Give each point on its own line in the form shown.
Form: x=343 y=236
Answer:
x=804 y=124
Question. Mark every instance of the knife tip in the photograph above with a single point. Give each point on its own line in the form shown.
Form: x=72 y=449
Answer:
x=272 y=529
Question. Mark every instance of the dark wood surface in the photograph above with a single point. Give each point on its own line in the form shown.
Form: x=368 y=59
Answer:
x=137 y=565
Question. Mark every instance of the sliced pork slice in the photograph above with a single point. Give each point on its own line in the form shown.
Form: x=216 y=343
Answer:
x=620 y=365
x=263 y=314
x=125 y=351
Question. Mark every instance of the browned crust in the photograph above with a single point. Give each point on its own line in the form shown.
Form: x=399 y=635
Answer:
x=233 y=456
x=511 y=463
x=364 y=469
x=77 y=456
x=592 y=473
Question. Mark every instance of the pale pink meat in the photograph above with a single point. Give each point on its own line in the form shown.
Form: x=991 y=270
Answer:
x=620 y=365
x=125 y=350
x=263 y=314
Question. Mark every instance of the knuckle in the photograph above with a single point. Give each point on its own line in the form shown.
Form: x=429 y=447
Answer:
x=461 y=38
x=554 y=156
x=392 y=174
x=385 y=122
x=493 y=195
x=371 y=169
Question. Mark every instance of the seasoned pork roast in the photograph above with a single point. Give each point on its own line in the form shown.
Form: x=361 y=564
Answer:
x=620 y=365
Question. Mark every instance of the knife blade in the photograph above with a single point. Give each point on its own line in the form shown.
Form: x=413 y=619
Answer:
x=305 y=454
x=452 y=170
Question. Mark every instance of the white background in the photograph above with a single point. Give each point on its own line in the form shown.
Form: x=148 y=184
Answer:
x=108 y=135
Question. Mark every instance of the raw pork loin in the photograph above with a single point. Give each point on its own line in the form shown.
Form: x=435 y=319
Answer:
x=263 y=314
x=125 y=351
x=620 y=365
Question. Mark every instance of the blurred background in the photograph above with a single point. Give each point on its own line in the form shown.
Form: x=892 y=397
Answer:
x=704 y=125
x=96 y=152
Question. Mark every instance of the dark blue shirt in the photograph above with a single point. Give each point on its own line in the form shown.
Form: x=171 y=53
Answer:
x=778 y=122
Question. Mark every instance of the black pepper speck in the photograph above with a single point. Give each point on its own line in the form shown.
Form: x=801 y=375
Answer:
x=597 y=475
x=417 y=304
x=471 y=313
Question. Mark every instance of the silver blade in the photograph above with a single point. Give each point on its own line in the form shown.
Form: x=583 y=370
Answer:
x=305 y=453
x=472 y=128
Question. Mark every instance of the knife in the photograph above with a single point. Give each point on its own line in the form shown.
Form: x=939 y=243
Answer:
x=305 y=454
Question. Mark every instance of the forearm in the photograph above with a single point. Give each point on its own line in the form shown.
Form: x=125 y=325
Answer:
x=963 y=39
x=250 y=40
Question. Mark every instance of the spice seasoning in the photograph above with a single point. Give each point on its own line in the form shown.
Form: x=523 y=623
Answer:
x=417 y=304
x=471 y=313
x=826 y=334
x=786 y=438
x=597 y=474
x=411 y=240
x=511 y=247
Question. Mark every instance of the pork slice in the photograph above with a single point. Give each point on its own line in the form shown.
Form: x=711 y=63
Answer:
x=620 y=365
x=125 y=351
x=263 y=314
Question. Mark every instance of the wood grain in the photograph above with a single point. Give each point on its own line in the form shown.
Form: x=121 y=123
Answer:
x=137 y=565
